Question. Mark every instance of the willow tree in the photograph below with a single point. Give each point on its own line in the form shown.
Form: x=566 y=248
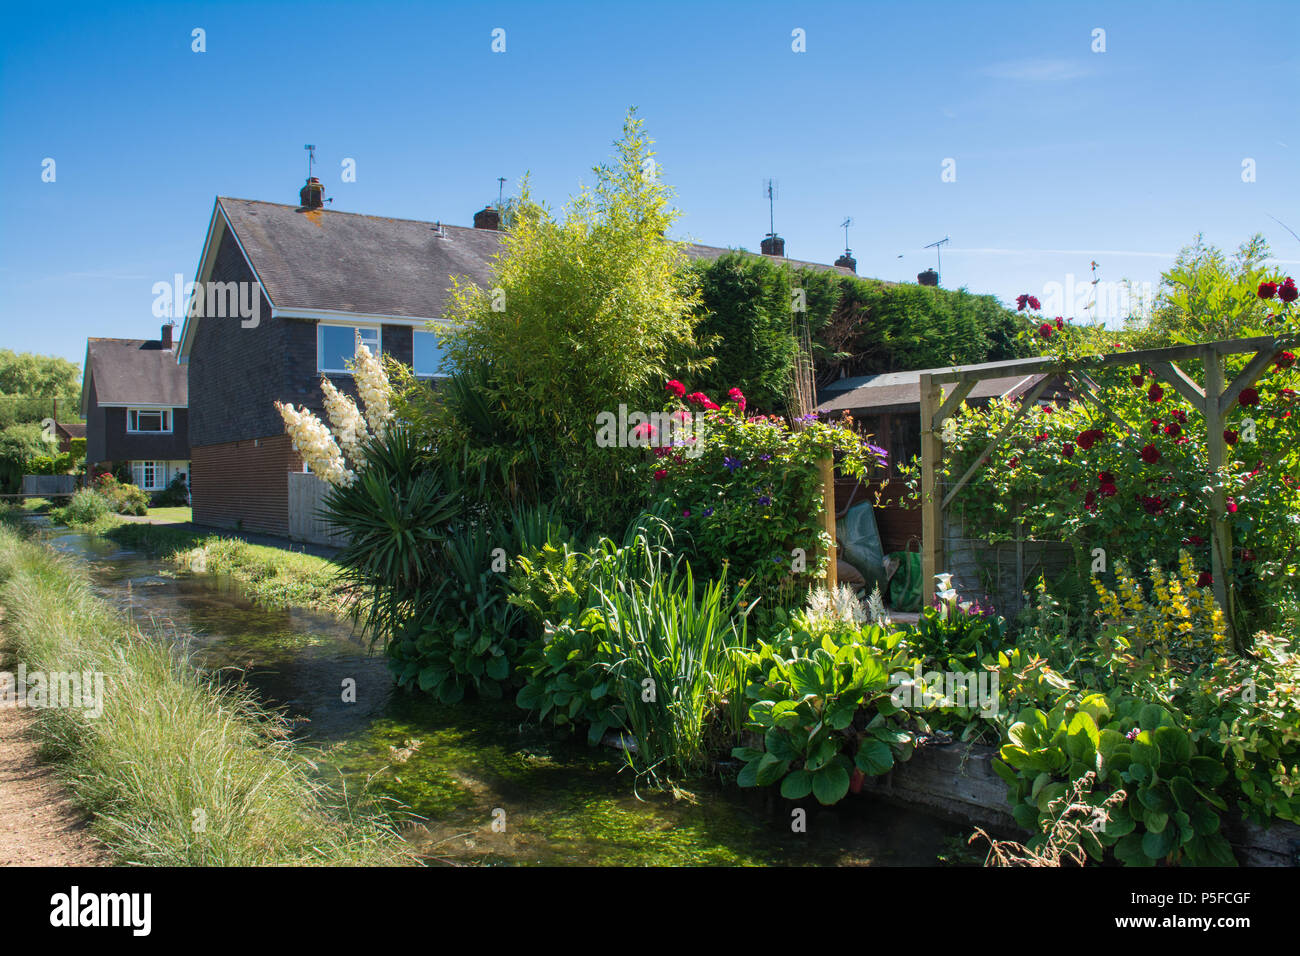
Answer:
x=584 y=312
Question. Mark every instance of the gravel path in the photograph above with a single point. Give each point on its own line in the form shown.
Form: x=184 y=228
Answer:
x=39 y=826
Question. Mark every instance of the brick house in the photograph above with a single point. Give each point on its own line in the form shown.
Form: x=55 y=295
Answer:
x=315 y=279
x=134 y=398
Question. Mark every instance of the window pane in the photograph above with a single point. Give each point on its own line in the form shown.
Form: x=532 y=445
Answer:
x=427 y=354
x=338 y=345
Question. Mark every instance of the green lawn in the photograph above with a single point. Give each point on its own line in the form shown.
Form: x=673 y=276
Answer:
x=177 y=515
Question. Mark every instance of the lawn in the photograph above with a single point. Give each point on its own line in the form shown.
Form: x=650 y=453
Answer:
x=181 y=514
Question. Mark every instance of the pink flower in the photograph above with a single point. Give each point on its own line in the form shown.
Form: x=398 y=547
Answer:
x=661 y=474
x=676 y=387
x=737 y=396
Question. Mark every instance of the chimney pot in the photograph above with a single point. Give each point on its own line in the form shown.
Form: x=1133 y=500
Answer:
x=487 y=218
x=928 y=277
x=773 y=245
x=312 y=194
x=847 y=261
x=167 y=335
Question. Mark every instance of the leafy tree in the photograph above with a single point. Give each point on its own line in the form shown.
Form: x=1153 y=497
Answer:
x=582 y=313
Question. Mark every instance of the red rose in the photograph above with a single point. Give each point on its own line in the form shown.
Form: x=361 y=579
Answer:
x=1285 y=359
x=1090 y=500
x=1040 y=438
x=1155 y=393
x=676 y=387
x=660 y=474
x=1045 y=330
x=1150 y=454
x=1179 y=415
x=1087 y=439
x=1267 y=290
x=1015 y=460
x=1205 y=579
x=1153 y=505
x=1137 y=380
x=737 y=396
x=1173 y=429
x=1232 y=506
x=1068 y=449
x=1155 y=426
x=1035 y=304
x=1106 y=478
x=1060 y=323
x=1286 y=291
x=1248 y=397
x=1230 y=436
x=1108 y=490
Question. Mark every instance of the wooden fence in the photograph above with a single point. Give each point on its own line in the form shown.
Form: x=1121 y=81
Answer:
x=48 y=486
x=306 y=501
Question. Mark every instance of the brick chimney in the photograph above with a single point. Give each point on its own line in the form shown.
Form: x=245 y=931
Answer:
x=167 y=335
x=312 y=194
x=487 y=218
x=847 y=261
x=773 y=245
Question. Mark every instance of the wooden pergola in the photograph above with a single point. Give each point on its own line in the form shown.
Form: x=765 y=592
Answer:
x=1212 y=399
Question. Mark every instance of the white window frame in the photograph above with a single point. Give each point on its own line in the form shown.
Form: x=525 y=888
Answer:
x=166 y=419
x=356 y=327
x=419 y=374
x=140 y=469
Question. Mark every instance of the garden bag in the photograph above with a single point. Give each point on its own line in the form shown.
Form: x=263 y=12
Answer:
x=860 y=544
x=905 y=585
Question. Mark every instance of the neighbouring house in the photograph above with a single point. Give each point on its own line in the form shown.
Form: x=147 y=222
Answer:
x=888 y=406
x=282 y=291
x=136 y=406
x=67 y=432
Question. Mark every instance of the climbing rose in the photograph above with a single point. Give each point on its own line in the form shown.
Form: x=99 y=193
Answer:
x=1045 y=330
x=1205 y=579
x=1173 y=429
x=676 y=387
x=1090 y=500
x=1287 y=291
x=1089 y=438
x=1106 y=478
x=1180 y=415
x=1150 y=454
x=1285 y=359
x=1068 y=449
x=1232 y=506
x=1230 y=436
x=1137 y=380
x=1248 y=397
x=1060 y=323
x=698 y=398
x=1155 y=392
x=660 y=474
x=1267 y=290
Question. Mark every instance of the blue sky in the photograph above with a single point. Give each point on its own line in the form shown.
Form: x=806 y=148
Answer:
x=1062 y=155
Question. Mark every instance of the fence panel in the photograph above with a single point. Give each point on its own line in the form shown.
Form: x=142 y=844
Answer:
x=306 y=500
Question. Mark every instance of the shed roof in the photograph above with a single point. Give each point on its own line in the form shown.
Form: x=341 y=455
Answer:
x=897 y=391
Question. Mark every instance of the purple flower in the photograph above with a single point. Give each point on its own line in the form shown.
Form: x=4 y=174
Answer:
x=708 y=512
x=879 y=452
x=765 y=457
x=731 y=463
x=764 y=500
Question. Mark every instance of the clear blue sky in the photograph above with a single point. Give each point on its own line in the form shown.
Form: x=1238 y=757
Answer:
x=1062 y=155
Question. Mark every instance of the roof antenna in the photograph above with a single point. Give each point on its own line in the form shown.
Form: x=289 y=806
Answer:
x=501 y=188
x=848 y=221
x=311 y=157
x=771 y=189
x=938 y=251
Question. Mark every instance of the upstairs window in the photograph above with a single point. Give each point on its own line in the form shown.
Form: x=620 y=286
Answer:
x=146 y=420
x=427 y=355
x=336 y=345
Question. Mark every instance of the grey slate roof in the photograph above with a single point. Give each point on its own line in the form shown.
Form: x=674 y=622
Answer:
x=373 y=265
x=136 y=371
x=891 y=391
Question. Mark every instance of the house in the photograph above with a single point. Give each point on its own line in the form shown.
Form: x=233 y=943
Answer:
x=281 y=292
x=135 y=403
x=888 y=407
x=67 y=432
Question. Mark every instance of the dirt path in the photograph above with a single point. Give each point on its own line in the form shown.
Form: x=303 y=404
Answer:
x=38 y=824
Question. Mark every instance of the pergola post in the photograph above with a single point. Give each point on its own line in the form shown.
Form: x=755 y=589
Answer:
x=1220 y=531
x=931 y=502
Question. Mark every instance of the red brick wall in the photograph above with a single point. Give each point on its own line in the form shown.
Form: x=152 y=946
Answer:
x=243 y=481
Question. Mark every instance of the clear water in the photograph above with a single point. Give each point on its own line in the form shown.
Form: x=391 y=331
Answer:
x=460 y=768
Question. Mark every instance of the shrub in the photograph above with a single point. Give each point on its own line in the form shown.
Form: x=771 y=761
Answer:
x=87 y=507
x=176 y=494
x=123 y=498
